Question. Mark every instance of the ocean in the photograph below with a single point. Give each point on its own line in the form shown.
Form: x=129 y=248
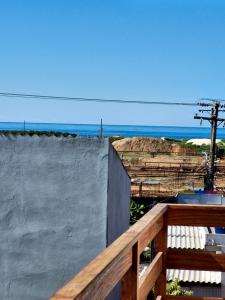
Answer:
x=117 y=130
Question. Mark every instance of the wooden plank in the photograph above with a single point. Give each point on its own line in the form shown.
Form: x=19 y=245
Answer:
x=161 y=245
x=149 y=225
x=196 y=215
x=195 y=260
x=130 y=279
x=152 y=273
x=191 y=298
x=150 y=233
x=98 y=278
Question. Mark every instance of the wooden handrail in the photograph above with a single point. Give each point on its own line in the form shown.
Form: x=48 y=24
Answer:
x=120 y=261
x=191 y=298
x=196 y=215
x=195 y=260
x=99 y=277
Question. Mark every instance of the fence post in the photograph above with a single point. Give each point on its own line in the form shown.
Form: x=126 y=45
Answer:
x=161 y=246
x=130 y=279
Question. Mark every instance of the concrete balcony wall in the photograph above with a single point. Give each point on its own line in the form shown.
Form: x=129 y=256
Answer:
x=59 y=200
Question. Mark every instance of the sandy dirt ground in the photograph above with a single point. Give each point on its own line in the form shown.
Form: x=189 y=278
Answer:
x=161 y=168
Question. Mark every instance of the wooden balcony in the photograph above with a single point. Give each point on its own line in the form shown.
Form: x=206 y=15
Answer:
x=120 y=261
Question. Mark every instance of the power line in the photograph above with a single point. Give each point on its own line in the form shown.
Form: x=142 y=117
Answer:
x=213 y=100
x=81 y=99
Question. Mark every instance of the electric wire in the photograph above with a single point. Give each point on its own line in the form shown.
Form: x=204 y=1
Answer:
x=82 y=99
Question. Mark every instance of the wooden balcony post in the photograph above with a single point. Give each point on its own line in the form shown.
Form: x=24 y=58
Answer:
x=130 y=279
x=140 y=189
x=161 y=246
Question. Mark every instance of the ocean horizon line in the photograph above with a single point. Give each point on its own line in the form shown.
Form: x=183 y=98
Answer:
x=98 y=124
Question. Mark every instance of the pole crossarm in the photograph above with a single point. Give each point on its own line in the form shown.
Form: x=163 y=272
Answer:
x=208 y=118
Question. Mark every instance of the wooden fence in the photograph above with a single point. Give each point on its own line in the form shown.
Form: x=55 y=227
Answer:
x=120 y=261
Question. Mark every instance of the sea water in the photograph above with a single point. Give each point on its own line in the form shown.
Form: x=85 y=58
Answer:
x=174 y=132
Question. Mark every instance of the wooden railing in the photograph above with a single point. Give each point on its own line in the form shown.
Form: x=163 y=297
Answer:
x=120 y=261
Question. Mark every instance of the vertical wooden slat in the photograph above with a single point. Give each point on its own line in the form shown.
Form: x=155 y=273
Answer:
x=161 y=246
x=150 y=276
x=130 y=279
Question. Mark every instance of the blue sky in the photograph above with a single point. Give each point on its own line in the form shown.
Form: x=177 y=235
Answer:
x=131 y=49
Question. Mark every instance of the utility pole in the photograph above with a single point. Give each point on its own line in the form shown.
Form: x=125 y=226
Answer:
x=101 y=129
x=215 y=121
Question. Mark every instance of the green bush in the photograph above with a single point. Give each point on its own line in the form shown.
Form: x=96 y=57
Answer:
x=136 y=211
x=147 y=253
x=37 y=132
x=173 y=288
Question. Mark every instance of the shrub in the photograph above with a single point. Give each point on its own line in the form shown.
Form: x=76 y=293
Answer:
x=173 y=288
x=136 y=211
